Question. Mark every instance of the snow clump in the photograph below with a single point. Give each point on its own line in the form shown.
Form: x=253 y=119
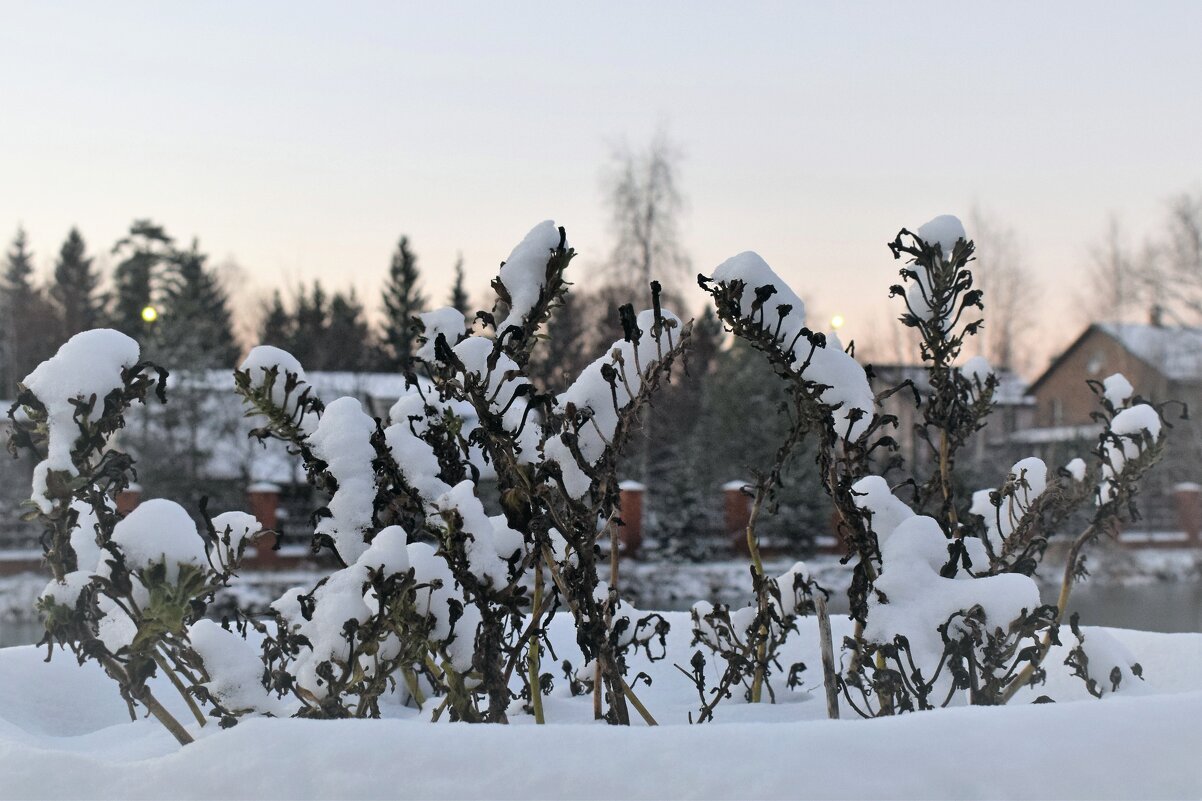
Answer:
x=592 y=393
x=89 y=363
x=342 y=440
x=447 y=321
x=1118 y=390
x=783 y=315
x=159 y=531
x=921 y=600
x=1129 y=426
x=886 y=511
x=524 y=273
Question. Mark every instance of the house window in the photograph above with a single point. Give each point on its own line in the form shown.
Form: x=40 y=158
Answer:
x=1057 y=411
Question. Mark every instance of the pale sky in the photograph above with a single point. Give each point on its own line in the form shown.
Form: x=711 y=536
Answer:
x=301 y=139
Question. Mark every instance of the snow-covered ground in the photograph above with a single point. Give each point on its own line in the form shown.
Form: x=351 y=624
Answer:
x=65 y=733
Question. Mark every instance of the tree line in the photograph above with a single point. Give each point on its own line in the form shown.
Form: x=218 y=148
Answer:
x=170 y=298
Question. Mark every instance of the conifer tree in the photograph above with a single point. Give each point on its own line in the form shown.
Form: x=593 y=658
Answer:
x=276 y=328
x=195 y=327
x=30 y=327
x=347 y=337
x=143 y=249
x=310 y=323
x=402 y=301
x=74 y=290
x=458 y=293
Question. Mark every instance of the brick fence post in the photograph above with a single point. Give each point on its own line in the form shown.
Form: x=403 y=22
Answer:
x=128 y=499
x=263 y=500
x=631 y=531
x=1187 y=497
x=736 y=505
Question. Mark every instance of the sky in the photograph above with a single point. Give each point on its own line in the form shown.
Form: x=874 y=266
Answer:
x=300 y=140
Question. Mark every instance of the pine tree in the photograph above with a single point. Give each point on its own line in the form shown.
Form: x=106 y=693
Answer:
x=30 y=327
x=458 y=292
x=310 y=324
x=145 y=247
x=194 y=329
x=276 y=328
x=402 y=301
x=74 y=290
x=348 y=340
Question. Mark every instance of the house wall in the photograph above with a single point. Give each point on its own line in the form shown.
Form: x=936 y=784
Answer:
x=1062 y=398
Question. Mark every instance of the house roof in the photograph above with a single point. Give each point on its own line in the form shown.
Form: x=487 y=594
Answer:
x=1176 y=351
x=1173 y=351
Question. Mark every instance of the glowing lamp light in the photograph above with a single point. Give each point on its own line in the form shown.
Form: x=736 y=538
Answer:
x=837 y=322
x=150 y=314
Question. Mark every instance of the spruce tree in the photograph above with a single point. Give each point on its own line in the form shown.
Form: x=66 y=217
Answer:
x=347 y=338
x=402 y=301
x=30 y=328
x=276 y=328
x=458 y=292
x=310 y=324
x=194 y=328
x=74 y=290
x=142 y=250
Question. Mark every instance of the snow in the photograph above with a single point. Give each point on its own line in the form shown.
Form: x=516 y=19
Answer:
x=483 y=558
x=977 y=370
x=342 y=439
x=886 y=510
x=240 y=527
x=943 y=231
x=1174 y=351
x=263 y=358
x=414 y=457
x=920 y=600
x=1118 y=390
x=1030 y=476
x=590 y=391
x=447 y=321
x=500 y=383
x=1076 y=469
x=524 y=273
x=89 y=363
x=783 y=315
x=159 y=531
x=64 y=732
x=235 y=670
x=1129 y=425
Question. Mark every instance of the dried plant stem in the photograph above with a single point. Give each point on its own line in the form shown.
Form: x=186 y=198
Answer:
x=146 y=697
x=536 y=692
x=945 y=481
x=757 y=564
x=179 y=685
x=636 y=703
x=1066 y=589
x=828 y=657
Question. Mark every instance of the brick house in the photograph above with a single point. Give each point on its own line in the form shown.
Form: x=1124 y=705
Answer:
x=1162 y=363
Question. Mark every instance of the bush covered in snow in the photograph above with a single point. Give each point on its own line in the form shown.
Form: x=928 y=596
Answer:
x=942 y=594
x=438 y=605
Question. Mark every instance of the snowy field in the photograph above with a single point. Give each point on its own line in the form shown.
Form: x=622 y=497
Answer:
x=65 y=733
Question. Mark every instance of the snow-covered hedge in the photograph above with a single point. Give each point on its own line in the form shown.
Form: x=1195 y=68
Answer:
x=438 y=605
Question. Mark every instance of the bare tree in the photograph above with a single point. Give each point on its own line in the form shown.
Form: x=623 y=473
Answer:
x=1011 y=295
x=1117 y=280
x=1174 y=260
x=645 y=203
